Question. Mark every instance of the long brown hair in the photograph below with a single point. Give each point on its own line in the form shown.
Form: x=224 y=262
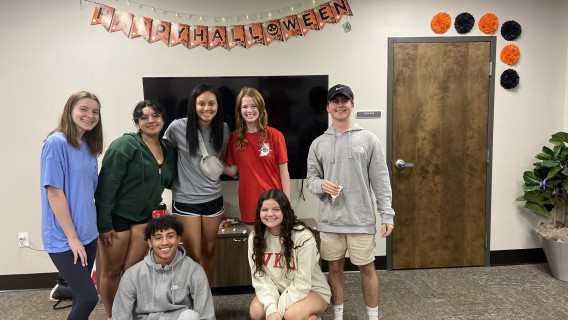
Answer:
x=289 y=223
x=241 y=126
x=93 y=138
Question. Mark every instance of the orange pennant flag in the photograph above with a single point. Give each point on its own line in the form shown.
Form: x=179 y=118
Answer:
x=103 y=15
x=141 y=28
x=308 y=21
x=340 y=8
x=324 y=14
x=217 y=37
x=122 y=21
x=236 y=36
x=179 y=34
x=254 y=34
x=272 y=31
x=160 y=31
x=197 y=36
x=290 y=26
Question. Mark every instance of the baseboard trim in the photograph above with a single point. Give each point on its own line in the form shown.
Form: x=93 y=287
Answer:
x=497 y=258
x=512 y=257
x=27 y=281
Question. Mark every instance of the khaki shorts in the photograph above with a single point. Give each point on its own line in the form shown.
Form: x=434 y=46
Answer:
x=361 y=247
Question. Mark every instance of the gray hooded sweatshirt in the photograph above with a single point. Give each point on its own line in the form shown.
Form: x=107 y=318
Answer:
x=149 y=292
x=354 y=160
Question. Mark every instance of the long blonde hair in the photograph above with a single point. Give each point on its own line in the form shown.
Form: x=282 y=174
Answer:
x=240 y=125
x=93 y=138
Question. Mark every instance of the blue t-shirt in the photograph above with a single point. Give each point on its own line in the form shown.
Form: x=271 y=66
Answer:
x=75 y=171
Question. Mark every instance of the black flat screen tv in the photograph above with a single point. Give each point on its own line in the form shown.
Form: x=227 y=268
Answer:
x=295 y=106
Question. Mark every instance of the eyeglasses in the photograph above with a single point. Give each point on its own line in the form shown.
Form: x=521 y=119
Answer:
x=340 y=101
x=154 y=116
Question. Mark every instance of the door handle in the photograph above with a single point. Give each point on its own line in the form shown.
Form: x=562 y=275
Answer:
x=400 y=164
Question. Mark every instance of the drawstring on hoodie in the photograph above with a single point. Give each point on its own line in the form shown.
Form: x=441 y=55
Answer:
x=335 y=135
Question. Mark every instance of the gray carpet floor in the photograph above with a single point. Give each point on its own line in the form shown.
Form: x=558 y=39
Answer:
x=507 y=292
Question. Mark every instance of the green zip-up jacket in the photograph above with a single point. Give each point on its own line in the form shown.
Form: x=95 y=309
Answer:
x=131 y=182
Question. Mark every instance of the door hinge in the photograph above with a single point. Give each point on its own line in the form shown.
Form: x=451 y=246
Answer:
x=486 y=241
x=490 y=69
x=488 y=155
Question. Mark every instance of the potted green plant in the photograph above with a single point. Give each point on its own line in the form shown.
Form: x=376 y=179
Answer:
x=545 y=192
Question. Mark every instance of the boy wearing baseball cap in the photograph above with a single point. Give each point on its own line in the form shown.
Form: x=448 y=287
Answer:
x=346 y=165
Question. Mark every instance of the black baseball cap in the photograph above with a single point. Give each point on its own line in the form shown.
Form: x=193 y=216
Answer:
x=339 y=89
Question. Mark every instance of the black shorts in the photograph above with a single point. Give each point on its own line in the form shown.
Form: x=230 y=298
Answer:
x=122 y=224
x=213 y=208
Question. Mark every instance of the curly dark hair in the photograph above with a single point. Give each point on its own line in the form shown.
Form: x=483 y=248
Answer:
x=163 y=223
x=289 y=223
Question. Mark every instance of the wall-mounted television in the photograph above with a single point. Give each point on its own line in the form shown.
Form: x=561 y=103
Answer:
x=295 y=106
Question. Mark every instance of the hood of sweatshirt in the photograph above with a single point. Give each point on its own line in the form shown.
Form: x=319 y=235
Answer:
x=149 y=259
x=336 y=135
x=165 y=274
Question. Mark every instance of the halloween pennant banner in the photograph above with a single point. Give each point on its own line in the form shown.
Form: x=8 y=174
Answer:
x=227 y=37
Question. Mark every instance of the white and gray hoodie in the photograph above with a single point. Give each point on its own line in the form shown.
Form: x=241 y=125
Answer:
x=354 y=160
x=149 y=292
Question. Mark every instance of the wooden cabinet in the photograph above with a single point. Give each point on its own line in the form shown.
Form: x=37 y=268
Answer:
x=231 y=256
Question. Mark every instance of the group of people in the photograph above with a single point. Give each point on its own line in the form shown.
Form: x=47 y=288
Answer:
x=171 y=281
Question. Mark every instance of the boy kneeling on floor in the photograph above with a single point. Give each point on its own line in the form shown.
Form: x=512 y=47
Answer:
x=167 y=284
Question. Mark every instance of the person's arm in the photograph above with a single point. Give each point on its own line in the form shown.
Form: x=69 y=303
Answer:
x=230 y=159
x=170 y=135
x=380 y=183
x=58 y=202
x=305 y=259
x=113 y=170
x=230 y=169
x=285 y=178
x=125 y=298
x=264 y=288
x=315 y=174
x=201 y=294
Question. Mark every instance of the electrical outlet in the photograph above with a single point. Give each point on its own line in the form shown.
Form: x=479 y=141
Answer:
x=23 y=239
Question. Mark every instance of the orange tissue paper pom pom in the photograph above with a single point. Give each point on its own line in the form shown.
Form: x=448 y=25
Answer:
x=488 y=23
x=510 y=54
x=441 y=22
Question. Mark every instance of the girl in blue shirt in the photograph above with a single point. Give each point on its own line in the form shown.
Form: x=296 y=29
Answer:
x=68 y=181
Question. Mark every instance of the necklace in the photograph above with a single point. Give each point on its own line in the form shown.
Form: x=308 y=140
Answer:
x=157 y=152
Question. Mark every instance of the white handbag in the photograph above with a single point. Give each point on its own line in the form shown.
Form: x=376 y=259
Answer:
x=210 y=164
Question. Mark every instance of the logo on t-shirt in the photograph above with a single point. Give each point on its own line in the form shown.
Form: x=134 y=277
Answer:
x=265 y=149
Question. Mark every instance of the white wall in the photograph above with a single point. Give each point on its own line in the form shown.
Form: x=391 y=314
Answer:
x=50 y=50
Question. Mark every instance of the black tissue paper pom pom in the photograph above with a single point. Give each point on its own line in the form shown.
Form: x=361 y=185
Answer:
x=464 y=22
x=511 y=30
x=509 y=79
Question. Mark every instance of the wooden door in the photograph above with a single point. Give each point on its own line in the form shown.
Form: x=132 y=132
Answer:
x=440 y=105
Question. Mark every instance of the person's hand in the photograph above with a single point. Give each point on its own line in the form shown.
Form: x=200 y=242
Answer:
x=329 y=188
x=386 y=230
x=78 y=251
x=274 y=316
x=106 y=238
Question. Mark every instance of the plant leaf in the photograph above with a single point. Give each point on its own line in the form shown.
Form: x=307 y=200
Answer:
x=538 y=208
x=538 y=197
x=565 y=183
x=559 y=138
x=558 y=150
x=531 y=178
x=550 y=163
x=552 y=173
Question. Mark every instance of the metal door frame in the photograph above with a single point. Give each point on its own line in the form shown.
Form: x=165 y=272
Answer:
x=390 y=73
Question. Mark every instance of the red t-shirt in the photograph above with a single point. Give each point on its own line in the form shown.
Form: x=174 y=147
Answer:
x=258 y=167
